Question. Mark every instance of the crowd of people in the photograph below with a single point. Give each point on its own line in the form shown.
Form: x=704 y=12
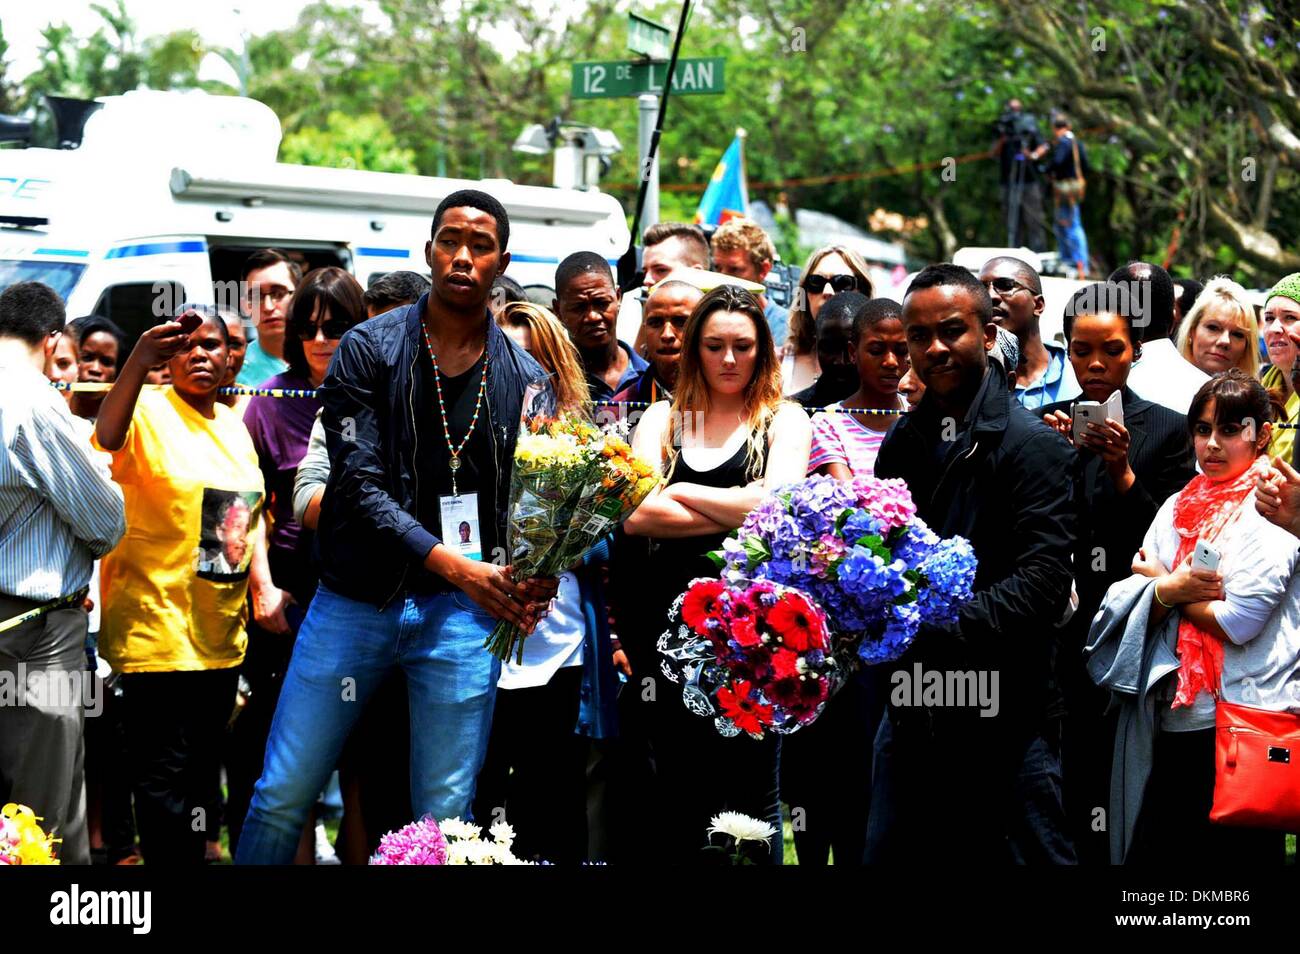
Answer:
x=280 y=585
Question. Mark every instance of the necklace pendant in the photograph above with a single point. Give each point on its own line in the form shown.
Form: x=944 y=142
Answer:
x=455 y=464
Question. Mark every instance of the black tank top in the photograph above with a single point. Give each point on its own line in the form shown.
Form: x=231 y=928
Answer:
x=649 y=573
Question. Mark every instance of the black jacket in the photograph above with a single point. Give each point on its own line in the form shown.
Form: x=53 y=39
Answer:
x=1112 y=526
x=369 y=543
x=1004 y=484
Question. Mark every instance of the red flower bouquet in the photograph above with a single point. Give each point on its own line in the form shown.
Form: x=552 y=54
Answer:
x=756 y=657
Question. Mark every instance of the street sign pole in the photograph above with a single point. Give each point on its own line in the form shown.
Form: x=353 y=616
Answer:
x=647 y=115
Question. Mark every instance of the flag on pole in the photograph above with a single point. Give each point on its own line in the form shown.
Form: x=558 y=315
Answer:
x=726 y=196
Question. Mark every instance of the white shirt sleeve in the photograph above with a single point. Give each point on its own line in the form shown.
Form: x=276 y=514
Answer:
x=313 y=470
x=1258 y=570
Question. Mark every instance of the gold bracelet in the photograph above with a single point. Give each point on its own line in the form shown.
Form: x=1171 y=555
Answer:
x=1156 y=590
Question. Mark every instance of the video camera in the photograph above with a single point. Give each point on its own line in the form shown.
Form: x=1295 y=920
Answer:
x=1018 y=130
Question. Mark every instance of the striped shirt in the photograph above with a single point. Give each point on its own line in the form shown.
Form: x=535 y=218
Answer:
x=840 y=438
x=59 y=508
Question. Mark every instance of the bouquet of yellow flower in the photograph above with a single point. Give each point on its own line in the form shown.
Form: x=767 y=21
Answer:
x=22 y=841
x=571 y=484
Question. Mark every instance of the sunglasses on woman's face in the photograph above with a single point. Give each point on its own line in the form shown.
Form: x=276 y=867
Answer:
x=333 y=328
x=816 y=284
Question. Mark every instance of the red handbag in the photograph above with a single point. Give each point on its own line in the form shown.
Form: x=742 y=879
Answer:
x=1256 y=767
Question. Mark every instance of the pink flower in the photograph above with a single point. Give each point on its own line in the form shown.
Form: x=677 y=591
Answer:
x=889 y=501
x=419 y=843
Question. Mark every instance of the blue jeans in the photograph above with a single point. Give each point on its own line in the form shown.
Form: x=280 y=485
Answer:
x=343 y=651
x=1071 y=241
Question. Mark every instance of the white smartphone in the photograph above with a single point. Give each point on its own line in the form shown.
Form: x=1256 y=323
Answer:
x=1085 y=412
x=1205 y=557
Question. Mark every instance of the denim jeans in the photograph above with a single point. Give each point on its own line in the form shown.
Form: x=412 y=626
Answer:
x=1071 y=241
x=344 y=650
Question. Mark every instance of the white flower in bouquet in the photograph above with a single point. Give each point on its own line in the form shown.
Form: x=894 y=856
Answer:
x=741 y=827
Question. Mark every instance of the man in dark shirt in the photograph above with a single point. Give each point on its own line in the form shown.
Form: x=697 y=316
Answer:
x=586 y=301
x=949 y=770
x=1017 y=146
x=421 y=411
x=1068 y=167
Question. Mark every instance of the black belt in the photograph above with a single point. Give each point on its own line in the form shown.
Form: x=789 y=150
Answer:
x=75 y=599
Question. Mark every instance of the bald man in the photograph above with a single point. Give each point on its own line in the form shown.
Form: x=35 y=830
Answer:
x=663 y=318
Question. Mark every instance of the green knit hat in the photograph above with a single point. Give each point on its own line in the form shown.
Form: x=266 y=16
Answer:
x=1288 y=287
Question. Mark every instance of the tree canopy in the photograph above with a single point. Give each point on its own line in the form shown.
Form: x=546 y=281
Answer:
x=1188 y=107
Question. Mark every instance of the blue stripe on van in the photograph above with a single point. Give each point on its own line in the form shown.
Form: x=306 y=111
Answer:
x=385 y=252
x=544 y=259
x=157 y=248
x=66 y=252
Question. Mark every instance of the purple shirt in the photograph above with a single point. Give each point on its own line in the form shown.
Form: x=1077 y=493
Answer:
x=281 y=428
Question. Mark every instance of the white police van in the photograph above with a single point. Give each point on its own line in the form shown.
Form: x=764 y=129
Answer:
x=168 y=192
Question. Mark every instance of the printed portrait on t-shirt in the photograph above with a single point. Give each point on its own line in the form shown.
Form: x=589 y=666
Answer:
x=225 y=545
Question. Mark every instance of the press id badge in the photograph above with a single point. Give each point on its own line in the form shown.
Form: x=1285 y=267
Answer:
x=460 y=529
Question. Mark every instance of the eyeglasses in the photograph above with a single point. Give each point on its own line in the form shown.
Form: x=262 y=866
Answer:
x=272 y=294
x=816 y=284
x=1006 y=286
x=332 y=328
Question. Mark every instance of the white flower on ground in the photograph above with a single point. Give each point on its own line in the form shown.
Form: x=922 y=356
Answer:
x=503 y=834
x=455 y=828
x=741 y=827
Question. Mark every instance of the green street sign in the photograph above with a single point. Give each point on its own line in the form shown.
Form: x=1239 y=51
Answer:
x=648 y=38
x=698 y=77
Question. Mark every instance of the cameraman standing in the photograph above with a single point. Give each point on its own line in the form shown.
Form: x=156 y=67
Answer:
x=1017 y=148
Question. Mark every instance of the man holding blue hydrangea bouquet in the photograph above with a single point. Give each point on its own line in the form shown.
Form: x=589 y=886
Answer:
x=956 y=774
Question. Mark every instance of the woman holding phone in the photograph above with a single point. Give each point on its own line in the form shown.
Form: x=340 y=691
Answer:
x=1123 y=472
x=175 y=587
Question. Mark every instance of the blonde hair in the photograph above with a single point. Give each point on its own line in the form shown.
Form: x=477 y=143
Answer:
x=691 y=394
x=553 y=350
x=803 y=334
x=1222 y=294
x=745 y=235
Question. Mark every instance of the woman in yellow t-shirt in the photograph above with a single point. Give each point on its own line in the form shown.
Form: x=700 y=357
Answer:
x=1281 y=319
x=175 y=587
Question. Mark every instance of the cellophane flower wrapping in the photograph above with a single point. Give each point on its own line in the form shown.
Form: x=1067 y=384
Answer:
x=860 y=552
x=754 y=656
x=22 y=840
x=572 y=483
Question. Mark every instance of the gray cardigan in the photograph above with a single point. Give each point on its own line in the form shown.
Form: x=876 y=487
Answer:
x=1122 y=659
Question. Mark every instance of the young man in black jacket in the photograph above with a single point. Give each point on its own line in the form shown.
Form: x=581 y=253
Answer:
x=421 y=412
x=952 y=763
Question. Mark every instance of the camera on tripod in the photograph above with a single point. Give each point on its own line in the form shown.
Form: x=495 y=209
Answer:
x=1018 y=130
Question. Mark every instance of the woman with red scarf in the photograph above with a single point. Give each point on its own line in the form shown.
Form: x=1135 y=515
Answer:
x=1222 y=615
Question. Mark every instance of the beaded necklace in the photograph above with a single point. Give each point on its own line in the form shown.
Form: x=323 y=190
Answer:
x=442 y=408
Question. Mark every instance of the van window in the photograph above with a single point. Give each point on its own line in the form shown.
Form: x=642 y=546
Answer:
x=227 y=261
x=61 y=276
x=132 y=305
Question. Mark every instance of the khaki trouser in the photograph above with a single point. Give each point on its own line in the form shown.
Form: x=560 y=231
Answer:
x=41 y=721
